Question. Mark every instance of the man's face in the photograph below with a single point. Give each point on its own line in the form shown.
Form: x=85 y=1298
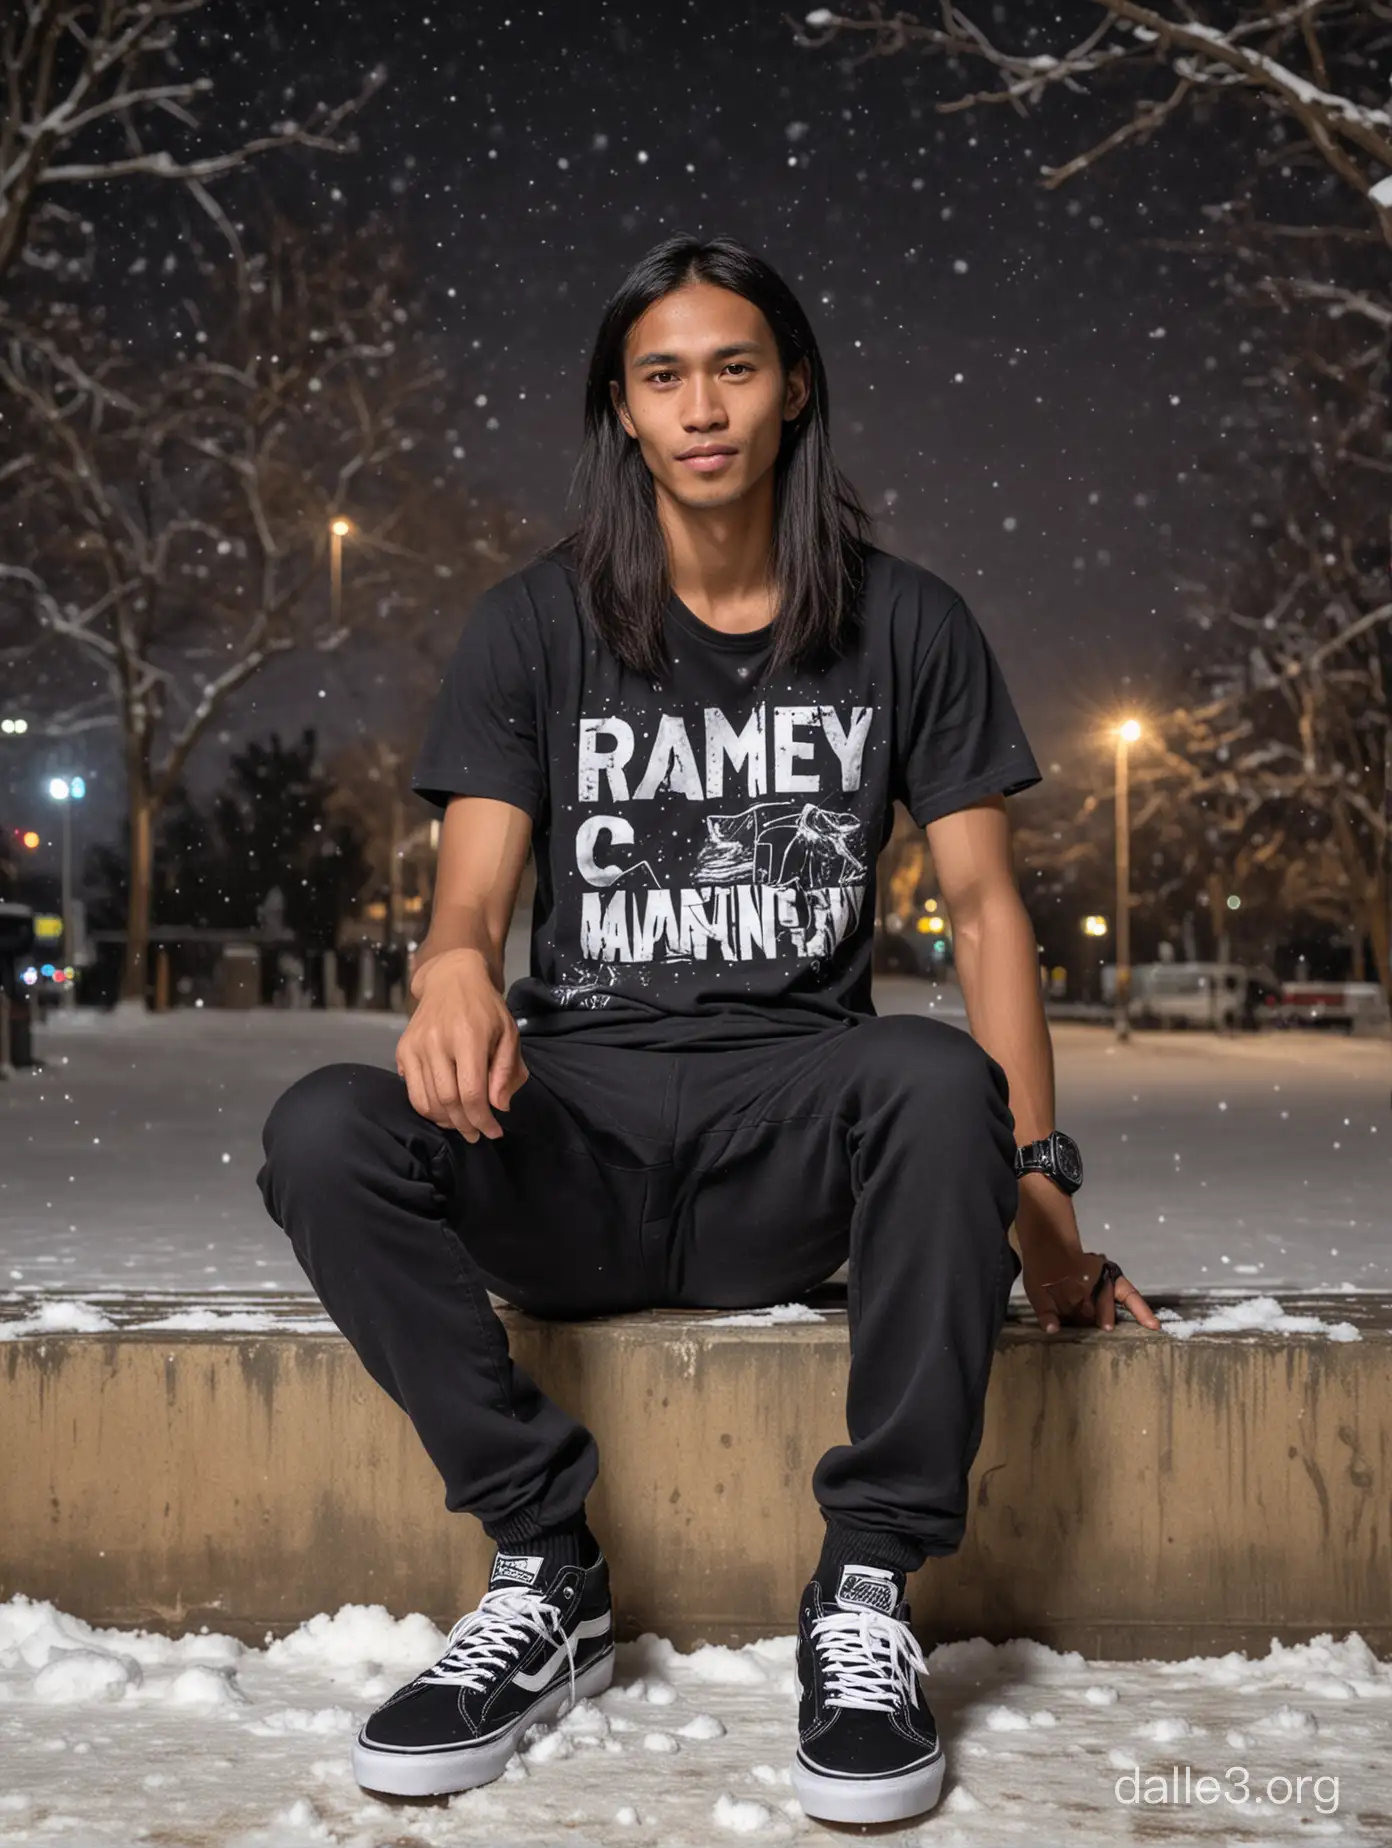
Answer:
x=701 y=370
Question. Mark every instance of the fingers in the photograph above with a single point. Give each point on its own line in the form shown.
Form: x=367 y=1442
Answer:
x=508 y=1072
x=1114 y=1294
x=457 y=1077
x=1106 y=1304
x=1130 y=1299
x=461 y=1085
x=444 y=1093
x=1098 y=1312
x=1044 y=1307
x=409 y=1066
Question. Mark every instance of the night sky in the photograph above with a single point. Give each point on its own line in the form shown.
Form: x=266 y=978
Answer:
x=1019 y=388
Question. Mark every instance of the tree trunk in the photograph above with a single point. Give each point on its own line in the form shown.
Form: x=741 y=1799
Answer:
x=1218 y=914
x=140 y=815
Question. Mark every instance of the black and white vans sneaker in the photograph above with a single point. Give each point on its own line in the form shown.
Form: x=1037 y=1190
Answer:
x=868 y=1747
x=537 y=1643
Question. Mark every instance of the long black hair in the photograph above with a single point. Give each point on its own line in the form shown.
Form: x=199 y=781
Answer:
x=820 y=526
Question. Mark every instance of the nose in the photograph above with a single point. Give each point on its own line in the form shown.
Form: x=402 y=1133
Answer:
x=702 y=412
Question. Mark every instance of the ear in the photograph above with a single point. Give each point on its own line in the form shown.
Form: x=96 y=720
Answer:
x=798 y=390
x=616 y=398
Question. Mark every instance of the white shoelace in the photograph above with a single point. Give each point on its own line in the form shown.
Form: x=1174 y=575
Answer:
x=487 y=1639
x=868 y=1659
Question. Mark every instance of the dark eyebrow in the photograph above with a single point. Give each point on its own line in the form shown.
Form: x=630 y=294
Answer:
x=673 y=359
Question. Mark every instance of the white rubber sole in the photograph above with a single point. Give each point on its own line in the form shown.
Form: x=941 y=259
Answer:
x=432 y=1773
x=879 y=1799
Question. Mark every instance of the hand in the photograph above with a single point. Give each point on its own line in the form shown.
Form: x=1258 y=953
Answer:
x=461 y=1054
x=1058 y=1273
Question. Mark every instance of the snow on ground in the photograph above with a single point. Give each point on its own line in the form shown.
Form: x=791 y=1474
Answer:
x=1262 y=1161
x=110 y=1736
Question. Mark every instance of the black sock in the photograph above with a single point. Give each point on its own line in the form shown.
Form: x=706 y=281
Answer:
x=572 y=1545
x=859 y=1546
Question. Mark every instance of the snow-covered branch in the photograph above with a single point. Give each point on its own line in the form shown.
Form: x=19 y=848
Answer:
x=73 y=71
x=1257 y=56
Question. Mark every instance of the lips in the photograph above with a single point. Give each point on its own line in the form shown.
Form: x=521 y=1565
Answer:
x=708 y=464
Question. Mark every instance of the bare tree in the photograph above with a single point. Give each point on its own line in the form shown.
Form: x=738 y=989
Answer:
x=482 y=539
x=1203 y=829
x=1286 y=754
x=1268 y=776
x=1337 y=103
x=97 y=90
x=1299 y=723
x=167 y=523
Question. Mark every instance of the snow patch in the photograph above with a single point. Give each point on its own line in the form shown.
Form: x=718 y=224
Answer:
x=58 y=1316
x=742 y=1815
x=766 y=1318
x=704 y=1726
x=1254 y=1312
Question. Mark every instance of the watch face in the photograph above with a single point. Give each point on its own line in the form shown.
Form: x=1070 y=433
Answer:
x=1070 y=1162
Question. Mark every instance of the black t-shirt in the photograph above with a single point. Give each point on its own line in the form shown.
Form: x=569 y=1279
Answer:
x=706 y=845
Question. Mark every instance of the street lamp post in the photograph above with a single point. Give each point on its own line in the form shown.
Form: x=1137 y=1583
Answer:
x=1126 y=734
x=66 y=791
x=338 y=532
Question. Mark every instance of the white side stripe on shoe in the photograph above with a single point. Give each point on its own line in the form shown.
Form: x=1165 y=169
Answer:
x=539 y=1677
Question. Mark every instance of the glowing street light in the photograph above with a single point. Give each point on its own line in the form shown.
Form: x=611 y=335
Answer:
x=1127 y=732
x=339 y=530
x=65 y=791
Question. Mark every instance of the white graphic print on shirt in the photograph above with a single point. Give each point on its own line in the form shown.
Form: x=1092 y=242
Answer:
x=767 y=871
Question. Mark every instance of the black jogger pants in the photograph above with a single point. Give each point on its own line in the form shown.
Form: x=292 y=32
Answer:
x=629 y=1179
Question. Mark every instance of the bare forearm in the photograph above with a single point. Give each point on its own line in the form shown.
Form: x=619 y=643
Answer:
x=483 y=849
x=460 y=928
x=998 y=967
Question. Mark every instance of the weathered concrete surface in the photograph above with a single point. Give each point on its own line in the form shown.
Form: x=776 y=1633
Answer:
x=1134 y=1494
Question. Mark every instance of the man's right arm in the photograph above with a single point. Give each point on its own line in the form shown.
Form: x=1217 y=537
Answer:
x=461 y=1055
x=483 y=850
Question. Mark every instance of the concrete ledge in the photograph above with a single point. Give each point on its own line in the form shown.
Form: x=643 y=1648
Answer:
x=1134 y=1495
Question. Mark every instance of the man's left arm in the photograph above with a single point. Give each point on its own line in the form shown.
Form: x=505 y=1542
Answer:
x=998 y=967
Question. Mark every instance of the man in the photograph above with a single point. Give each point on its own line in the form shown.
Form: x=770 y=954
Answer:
x=698 y=710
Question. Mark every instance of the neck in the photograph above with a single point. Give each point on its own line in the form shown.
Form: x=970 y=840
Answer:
x=719 y=557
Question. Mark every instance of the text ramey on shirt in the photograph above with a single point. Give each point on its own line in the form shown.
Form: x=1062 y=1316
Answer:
x=706 y=844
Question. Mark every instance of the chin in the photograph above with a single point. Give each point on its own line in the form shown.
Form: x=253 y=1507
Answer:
x=717 y=494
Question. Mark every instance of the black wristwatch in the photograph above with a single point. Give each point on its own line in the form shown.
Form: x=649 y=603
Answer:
x=1055 y=1155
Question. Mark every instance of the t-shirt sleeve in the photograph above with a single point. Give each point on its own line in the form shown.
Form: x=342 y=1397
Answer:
x=959 y=735
x=482 y=737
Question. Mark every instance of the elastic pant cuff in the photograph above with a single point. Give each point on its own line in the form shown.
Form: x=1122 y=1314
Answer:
x=521 y=1529
x=845 y=1545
